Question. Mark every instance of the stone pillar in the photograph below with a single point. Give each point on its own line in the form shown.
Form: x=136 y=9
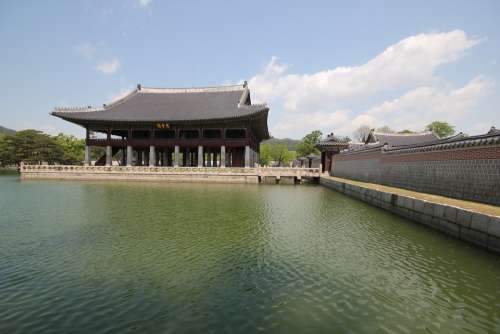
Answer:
x=129 y=155
x=87 y=155
x=109 y=158
x=247 y=156
x=200 y=156
x=152 y=156
x=223 y=156
x=176 y=156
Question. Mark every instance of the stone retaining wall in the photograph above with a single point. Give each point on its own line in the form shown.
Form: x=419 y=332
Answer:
x=473 y=227
x=171 y=176
x=174 y=174
x=198 y=178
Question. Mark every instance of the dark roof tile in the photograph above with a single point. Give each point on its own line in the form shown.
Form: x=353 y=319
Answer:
x=169 y=104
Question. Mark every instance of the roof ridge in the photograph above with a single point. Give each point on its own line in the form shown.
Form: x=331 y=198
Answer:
x=404 y=134
x=208 y=89
x=76 y=109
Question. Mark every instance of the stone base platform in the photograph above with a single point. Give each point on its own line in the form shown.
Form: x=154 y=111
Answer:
x=169 y=174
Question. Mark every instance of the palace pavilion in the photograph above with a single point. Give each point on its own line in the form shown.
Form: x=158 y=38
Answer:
x=197 y=127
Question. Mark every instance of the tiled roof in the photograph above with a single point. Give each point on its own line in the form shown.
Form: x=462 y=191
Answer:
x=400 y=139
x=170 y=104
x=459 y=140
x=332 y=140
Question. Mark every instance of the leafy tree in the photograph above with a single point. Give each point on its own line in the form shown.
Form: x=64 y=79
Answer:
x=6 y=150
x=361 y=133
x=281 y=155
x=72 y=147
x=275 y=154
x=441 y=129
x=406 y=131
x=308 y=144
x=33 y=147
x=265 y=154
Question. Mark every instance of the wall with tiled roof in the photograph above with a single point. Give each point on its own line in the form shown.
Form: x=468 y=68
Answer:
x=460 y=166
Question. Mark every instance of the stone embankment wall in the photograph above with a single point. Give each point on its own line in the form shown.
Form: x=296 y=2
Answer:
x=274 y=175
x=215 y=175
x=468 y=169
x=474 y=227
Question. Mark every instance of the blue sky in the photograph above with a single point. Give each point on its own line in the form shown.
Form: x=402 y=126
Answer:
x=319 y=64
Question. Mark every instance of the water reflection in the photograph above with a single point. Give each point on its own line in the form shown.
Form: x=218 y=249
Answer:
x=114 y=257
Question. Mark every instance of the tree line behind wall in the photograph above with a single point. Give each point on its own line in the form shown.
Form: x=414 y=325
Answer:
x=36 y=147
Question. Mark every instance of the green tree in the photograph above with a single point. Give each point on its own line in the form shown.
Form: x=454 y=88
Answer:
x=6 y=152
x=441 y=129
x=406 y=131
x=308 y=144
x=33 y=147
x=72 y=147
x=275 y=154
x=281 y=155
x=265 y=154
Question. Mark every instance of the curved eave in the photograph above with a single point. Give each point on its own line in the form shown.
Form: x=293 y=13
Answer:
x=81 y=121
x=258 y=115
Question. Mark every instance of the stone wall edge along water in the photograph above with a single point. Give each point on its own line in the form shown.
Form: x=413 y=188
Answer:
x=473 y=227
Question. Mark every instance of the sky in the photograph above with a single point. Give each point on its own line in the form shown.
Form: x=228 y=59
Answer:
x=326 y=65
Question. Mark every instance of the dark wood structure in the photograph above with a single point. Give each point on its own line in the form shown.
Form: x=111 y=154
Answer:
x=330 y=146
x=211 y=127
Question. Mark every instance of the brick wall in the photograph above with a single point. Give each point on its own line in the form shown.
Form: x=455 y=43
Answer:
x=471 y=173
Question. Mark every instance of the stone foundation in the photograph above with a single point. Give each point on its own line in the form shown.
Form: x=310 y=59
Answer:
x=169 y=174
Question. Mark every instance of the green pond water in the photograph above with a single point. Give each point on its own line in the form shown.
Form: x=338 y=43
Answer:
x=88 y=257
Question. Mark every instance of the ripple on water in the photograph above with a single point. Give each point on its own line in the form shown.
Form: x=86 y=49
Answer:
x=113 y=258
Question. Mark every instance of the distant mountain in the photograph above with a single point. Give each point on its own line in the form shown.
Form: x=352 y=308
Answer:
x=6 y=131
x=290 y=143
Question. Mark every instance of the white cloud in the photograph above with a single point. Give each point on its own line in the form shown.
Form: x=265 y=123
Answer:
x=327 y=99
x=301 y=122
x=423 y=105
x=109 y=67
x=87 y=50
x=144 y=3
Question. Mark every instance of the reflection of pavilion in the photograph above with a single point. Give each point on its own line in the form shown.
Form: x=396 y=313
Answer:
x=330 y=146
x=213 y=126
